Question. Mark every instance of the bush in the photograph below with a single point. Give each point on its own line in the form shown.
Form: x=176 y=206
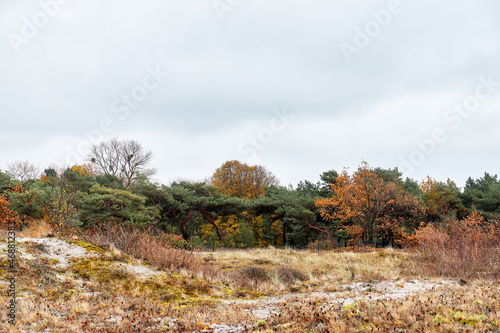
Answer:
x=175 y=241
x=141 y=244
x=468 y=248
x=249 y=277
x=290 y=275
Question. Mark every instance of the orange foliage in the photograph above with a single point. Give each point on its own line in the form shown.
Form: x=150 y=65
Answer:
x=7 y=215
x=367 y=201
x=465 y=248
x=426 y=235
x=241 y=180
x=44 y=178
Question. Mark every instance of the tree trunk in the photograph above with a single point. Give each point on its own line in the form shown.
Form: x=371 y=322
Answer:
x=185 y=235
x=211 y=220
x=284 y=234
x=323 y=231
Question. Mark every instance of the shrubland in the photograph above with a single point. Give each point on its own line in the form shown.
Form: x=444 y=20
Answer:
x=298 y=255
x=182 y=290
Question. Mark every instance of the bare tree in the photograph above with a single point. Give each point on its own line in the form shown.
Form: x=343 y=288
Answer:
x=105 y=157
x=124 y=159
x=23 y=170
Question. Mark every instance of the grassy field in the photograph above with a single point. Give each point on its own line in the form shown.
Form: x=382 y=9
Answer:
x=121 y=282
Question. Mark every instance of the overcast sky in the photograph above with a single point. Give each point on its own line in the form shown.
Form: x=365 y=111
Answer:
x=300 y=87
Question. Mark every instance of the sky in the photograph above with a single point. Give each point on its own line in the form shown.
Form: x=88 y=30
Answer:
x=300 y=87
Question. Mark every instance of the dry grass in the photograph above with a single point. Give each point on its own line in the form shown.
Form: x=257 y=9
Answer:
x=36 y=229
x=142 y=245
x=276 y=270
x=463 y=309
x=189 y=293
x=100 y=292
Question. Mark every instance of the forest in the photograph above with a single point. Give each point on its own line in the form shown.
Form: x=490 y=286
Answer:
x=242 y=205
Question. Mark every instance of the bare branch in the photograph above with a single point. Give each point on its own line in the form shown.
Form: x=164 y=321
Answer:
x=123 y=159
x=23 y=170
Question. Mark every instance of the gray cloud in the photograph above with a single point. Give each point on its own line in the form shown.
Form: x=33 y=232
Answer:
x=227 y=76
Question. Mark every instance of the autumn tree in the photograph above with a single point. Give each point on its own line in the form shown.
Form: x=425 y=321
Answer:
x=23 y=170
x=125 y=159
x=241 y=180
x=366 y=201
x=6 y=214
x=85 y=170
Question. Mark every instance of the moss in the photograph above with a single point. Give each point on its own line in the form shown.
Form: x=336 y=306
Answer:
x=166 y=288
x=4 y=262
x=440 y=319
x=160 y=291
x=117 y=280
x=89 y=247
x=69 y=293
x=54 y=261
x=100 y=270
x=465 y=319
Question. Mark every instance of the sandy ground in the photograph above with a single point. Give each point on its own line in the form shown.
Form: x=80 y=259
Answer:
x=62 y=252
x=390 y=290
x=53 y=248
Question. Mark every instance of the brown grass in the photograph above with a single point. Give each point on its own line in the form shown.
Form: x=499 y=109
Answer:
x=96 y=295
x=288 y=267
x=142 y=245
x=463 y=309
x=35 y=229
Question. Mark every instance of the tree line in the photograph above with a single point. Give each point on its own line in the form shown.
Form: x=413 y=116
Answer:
x=240 y=205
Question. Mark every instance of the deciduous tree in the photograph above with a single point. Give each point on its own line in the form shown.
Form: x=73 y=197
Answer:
x=23 y=170
x=240 y=180
x=377 y=205
x=125 y=159
x=6 y=214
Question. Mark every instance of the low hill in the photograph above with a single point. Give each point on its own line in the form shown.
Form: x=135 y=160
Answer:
x=70 y=285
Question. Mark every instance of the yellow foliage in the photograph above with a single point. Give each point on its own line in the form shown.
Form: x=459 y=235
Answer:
x=84 y=169
x=244 y=230
x=241 y=180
